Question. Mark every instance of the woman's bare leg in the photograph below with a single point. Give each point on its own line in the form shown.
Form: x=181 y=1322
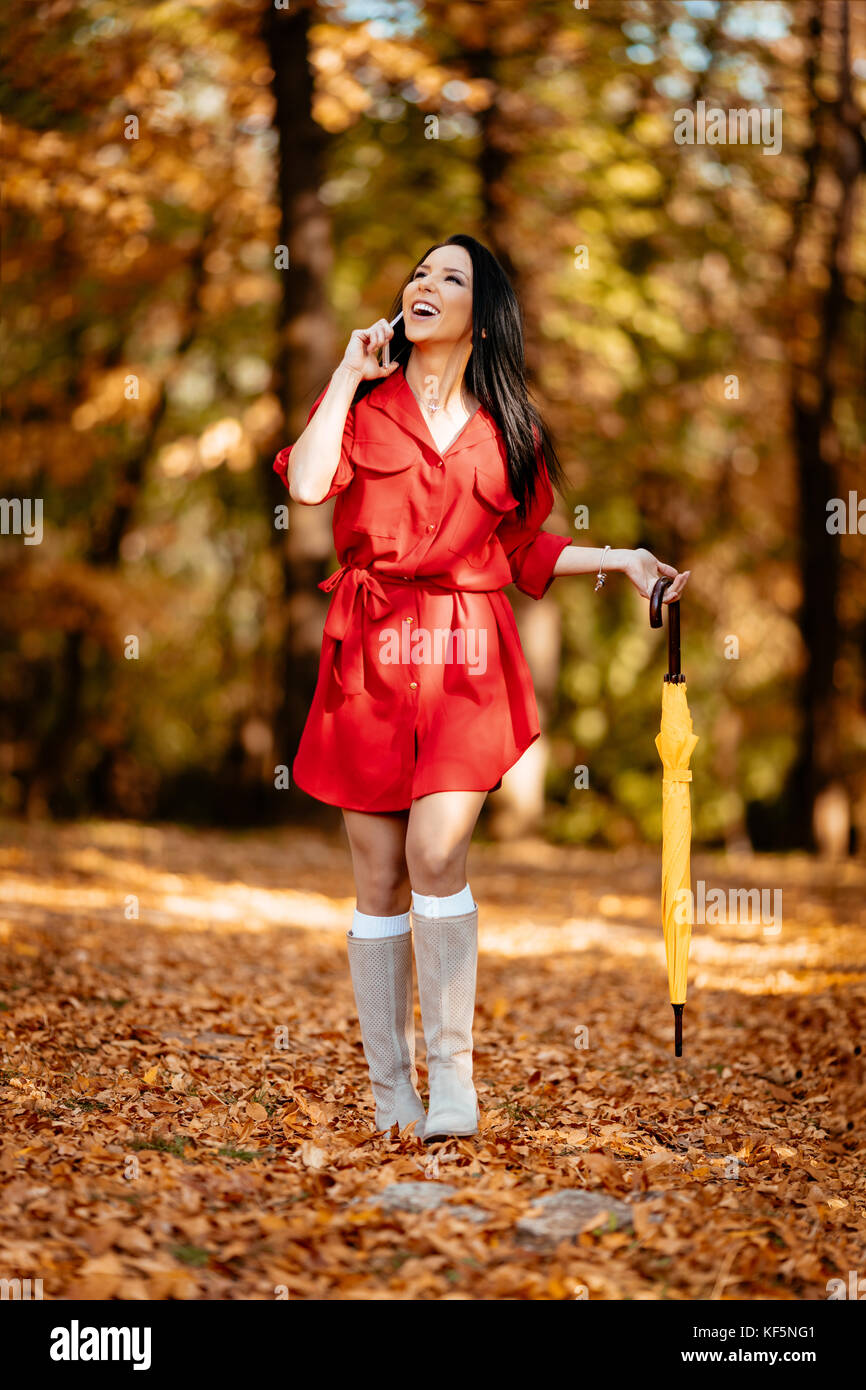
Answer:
x=381 y=967
x=378 y=845
x=437 y=840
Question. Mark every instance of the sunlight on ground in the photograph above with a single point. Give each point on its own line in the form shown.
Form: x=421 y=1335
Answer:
x=210 y=1044
x=747 y=957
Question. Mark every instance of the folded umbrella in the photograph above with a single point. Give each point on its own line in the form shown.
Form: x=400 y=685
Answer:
x=675 y=742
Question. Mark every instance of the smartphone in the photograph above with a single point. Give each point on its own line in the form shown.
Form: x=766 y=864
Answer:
x=386 y=354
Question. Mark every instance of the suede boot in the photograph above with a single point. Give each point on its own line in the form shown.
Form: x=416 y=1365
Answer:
x=446 y=956
x=381 y=970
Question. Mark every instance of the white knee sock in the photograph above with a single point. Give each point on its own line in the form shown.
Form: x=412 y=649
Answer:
x=455 y=905
x=367 y=926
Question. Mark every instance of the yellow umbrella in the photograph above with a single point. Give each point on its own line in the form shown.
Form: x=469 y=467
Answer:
x=675 y=742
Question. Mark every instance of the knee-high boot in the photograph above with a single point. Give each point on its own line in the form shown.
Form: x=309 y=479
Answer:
x=446 y=955
x=381 y=970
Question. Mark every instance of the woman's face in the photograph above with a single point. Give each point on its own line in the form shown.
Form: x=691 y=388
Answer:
x=443 y=281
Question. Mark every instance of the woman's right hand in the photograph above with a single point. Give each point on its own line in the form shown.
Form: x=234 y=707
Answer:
x=360 y=354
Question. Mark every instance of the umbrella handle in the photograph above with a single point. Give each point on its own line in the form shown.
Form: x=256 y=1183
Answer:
x=674 y=674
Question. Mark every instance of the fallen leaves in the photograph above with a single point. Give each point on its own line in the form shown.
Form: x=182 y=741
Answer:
x=187 y=1112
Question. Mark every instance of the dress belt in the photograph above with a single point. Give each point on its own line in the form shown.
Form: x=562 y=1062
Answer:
x=351 y=582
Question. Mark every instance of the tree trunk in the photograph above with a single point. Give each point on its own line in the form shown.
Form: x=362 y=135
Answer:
x=834 y=160
x=518 y=807
x=305 y=361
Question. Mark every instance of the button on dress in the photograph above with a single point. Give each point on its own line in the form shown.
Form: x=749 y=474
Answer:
x=423 y=685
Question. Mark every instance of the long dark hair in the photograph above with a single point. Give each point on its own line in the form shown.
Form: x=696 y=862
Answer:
x=496 y=370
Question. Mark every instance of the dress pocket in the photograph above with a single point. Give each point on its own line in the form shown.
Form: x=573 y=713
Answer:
x=480 y=513
x=375 y=500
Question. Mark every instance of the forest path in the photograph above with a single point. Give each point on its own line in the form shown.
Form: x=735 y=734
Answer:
x=187 y=1113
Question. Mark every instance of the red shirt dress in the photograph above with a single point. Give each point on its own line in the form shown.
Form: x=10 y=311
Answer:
x=423 y=686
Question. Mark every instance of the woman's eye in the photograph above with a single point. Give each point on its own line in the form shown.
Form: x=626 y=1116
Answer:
x=419 y=275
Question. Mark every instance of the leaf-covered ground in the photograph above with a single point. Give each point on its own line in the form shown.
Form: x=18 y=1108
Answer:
x=186 y=1112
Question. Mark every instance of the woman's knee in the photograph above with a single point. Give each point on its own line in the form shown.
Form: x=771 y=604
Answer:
x=436 y=868
x=377 y=844
x=382 y=890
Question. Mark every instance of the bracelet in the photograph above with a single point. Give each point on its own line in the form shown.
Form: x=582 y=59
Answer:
x=599 y=583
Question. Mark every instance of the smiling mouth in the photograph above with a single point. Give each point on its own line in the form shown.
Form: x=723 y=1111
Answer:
x=425 y=310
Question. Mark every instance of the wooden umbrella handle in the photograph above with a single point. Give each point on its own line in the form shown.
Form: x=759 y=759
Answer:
x=674 y=673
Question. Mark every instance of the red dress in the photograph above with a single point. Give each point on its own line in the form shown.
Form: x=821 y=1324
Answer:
x=423 y=686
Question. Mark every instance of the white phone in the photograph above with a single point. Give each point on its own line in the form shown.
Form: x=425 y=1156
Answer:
x=386 y=354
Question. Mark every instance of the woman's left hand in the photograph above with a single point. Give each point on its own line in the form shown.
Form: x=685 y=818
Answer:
x=644 y=571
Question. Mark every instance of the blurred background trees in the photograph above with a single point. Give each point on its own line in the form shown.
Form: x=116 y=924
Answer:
x=203 y=199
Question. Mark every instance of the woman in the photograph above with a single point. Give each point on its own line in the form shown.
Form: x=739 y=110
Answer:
x=442 y=472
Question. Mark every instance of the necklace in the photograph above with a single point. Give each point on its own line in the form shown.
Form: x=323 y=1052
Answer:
x=431 y=405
